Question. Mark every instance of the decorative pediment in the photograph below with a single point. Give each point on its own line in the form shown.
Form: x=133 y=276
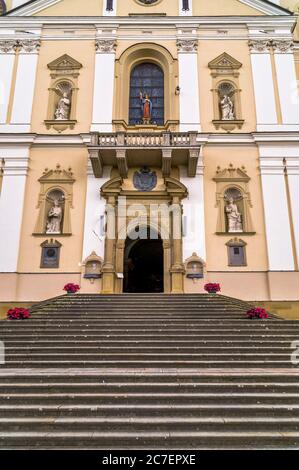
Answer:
x=236 y=242
x=64 y=63
x=57 y=176
x=231 y=174
x=224 y=65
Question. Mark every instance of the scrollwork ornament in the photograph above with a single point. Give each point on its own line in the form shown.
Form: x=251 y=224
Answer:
x=187 y=45
x=8 y=46
x=259 y=45
x=105 y=45
x=283 y=46
x=29 y=45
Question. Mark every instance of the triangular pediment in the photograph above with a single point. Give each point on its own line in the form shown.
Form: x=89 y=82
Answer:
x=57 y=176
x=231 y=174
x=64 y=62
x=92 y=8
x=224 y=62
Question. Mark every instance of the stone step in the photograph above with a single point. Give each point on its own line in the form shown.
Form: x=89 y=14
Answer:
x=151 y=440
x=186 y=411
x=237 y=398
x=143 y=424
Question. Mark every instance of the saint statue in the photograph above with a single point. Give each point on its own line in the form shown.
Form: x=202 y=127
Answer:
x=62 y=111
x=146 y=108
x=54 y=218
x=234 y=217
x=227 y=109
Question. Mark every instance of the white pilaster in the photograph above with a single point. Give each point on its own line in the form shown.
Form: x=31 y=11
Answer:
x=11 y=205
x=194 y=240
x=286 y=81
x=293 y=179
x=278 y=232
x=189 y=88
x=109 y=12
x=25 y=83
x=94 y=238
x=7 y=58
x=185 y=12
x=263 y=84
x=103 y=85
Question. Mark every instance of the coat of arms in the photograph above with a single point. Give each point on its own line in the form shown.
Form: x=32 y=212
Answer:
x=145 y=179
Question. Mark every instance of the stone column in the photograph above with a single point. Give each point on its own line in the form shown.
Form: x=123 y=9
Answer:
x=109 y=264
x=287 y=82
x=7 y=59
x=189 y=89
x=177 y=268
x=25 y=84
x=103 y=85
x=11 y=205
x=263 y=84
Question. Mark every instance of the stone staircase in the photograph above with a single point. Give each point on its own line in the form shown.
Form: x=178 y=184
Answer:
x=146 y=371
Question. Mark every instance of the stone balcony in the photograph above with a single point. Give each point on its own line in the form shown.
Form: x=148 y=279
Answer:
x=131 y=149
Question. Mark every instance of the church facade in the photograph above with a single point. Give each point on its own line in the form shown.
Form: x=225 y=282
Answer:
x=149 y=146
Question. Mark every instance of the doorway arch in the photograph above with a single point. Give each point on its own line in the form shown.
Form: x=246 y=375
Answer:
x=144 y=264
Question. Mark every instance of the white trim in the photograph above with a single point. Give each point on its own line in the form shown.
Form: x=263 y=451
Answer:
x=11 y=205
x=29 y=10
x=6 y=66
x=103 y=94
x=189 y=92
x=263 y=89
x=264 y=7
x=95 y=206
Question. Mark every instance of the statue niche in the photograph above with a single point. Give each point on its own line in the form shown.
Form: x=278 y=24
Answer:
x=233 y=214
x=55 y=202
x=64 y=102
x=226 y=93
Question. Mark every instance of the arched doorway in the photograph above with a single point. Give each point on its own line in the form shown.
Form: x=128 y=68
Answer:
x=144 y=265
x=147 y=78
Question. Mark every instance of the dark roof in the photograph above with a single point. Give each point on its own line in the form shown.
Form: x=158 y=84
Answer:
x=285 y=10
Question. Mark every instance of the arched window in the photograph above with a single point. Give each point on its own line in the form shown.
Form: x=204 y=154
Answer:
x=148 y=79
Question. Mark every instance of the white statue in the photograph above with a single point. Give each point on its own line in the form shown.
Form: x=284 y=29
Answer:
x=54 y=218
x=62 y=112
x=227 y=109
x=234 y=217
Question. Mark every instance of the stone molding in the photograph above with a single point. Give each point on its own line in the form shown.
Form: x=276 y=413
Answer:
x=24 y=46
x=263 y=45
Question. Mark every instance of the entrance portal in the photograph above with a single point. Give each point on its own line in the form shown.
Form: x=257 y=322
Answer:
x=143 y=265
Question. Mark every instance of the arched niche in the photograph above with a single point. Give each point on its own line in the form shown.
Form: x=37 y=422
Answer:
x=146 y=53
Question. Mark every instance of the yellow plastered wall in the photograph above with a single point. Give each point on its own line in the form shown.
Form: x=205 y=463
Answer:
x=256 y=249
x=83 y=52
x=74 y=8
x=71 y=251
x=208 y=51
x=222 y=8
x=170 y=7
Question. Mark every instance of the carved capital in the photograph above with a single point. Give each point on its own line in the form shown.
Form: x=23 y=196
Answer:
x=8 y=46
x=105 y=45
x=259 y=45
x=187 y=45
x=29 y=45
x=283 y=46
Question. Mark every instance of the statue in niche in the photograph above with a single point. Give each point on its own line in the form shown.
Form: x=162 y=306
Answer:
x=234 y=217
x=227 y=109
x=62 y=112
x=146 y=108
x=54 y=218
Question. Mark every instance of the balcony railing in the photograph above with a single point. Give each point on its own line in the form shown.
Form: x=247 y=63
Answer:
x=137 y=139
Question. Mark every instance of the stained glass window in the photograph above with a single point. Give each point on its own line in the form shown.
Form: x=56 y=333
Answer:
x=147 y=78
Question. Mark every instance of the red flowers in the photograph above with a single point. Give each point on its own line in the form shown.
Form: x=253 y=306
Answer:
x=71 y=288
x=257 y=312
x=212 y=288
x=18 y=314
